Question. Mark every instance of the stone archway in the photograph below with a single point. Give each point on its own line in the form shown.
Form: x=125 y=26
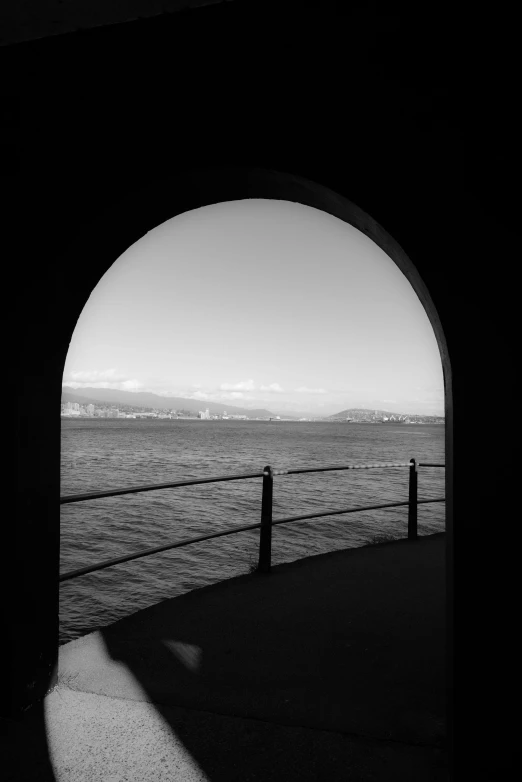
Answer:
x=102 y=240
x=141 y=213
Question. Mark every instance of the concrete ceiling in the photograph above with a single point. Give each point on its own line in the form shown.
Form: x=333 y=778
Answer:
x=29 y=20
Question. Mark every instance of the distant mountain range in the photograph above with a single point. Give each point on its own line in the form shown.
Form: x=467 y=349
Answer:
x=111 y=396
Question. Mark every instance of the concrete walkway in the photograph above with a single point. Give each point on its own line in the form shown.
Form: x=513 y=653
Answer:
x=329 y=668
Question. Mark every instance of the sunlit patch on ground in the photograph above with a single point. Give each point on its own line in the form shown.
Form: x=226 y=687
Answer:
x=94 y=737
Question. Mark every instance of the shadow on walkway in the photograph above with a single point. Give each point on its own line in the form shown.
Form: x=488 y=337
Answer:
x=331 y=667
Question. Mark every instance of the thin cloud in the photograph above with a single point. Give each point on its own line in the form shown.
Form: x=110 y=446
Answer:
x=214 y=396
x=422 y=401
x=96 y=375
x=305 y=390
x=243 y=385
x=198 y=395
x=106 y=378
x=273 y=388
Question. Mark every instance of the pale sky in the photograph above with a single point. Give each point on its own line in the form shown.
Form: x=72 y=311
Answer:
x=260 y=304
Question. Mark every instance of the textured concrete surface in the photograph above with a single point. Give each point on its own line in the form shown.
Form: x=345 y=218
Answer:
x=328 y=668
x=100 y=739
x=26 y=20
x=350 y=641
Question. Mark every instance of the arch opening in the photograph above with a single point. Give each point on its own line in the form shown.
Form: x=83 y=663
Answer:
x=111 y=238
x=273 y=187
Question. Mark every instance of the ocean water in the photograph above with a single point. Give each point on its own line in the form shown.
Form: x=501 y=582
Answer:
x=102 y=454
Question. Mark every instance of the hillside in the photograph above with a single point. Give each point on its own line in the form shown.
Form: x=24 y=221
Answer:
x=112 y=396
x=360 y=413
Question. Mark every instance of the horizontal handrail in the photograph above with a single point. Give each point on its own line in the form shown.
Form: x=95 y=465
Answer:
x=340 y=467
x=267 y=521
x=229 y=531
x=95 y=495
x=156 y=550
x=289 y=519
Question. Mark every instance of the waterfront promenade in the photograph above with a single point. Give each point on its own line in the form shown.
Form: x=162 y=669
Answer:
x=328 y=668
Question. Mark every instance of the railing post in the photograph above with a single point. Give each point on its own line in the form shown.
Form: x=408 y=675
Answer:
x=412 y=507
x=265 y=536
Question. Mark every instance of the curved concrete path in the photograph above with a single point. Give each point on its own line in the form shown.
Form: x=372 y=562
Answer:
x=328 y=668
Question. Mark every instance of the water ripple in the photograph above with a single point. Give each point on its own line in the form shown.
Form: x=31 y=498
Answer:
x=109 y=453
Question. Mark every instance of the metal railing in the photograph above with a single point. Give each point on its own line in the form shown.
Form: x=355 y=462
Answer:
x=267 y=522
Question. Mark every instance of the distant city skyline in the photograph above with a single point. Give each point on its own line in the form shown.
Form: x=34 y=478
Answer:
x=260 y=304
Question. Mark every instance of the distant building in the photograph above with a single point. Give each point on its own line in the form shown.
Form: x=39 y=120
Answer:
x=70 y=409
